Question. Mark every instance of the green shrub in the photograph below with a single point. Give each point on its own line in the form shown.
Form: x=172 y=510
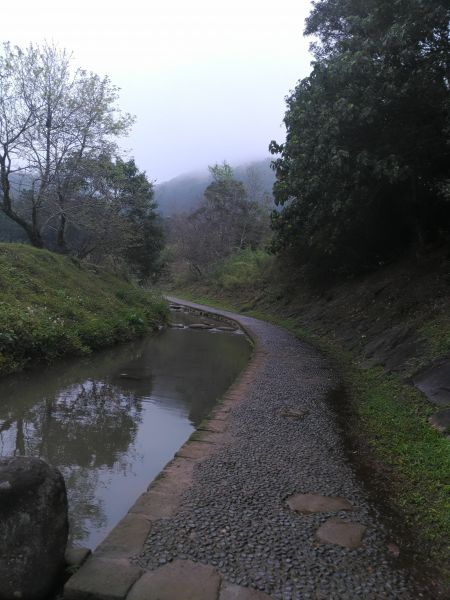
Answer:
x=244 y=269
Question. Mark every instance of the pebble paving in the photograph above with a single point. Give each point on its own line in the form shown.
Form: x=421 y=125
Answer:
x=235 y=516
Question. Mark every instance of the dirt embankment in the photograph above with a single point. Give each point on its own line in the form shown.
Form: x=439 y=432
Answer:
x=397 y=318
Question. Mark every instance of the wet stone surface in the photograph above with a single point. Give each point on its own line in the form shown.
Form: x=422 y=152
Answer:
x=313 y=503
x=235 y=517
x=337 y=531
x=179 y=580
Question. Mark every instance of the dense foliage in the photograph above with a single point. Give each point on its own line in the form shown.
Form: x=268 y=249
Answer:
x=115 y=217
x=365 y=169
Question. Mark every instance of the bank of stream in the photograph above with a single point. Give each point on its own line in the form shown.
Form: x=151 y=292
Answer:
x=111 y=421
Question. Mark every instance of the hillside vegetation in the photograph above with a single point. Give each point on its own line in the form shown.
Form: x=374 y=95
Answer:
x=52 y=306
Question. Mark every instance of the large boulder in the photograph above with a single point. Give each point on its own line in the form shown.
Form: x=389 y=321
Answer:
x=33 y=528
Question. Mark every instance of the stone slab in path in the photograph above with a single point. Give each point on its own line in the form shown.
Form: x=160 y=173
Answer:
x=313 y=503
x=441 y=421
x=293 y=413
x=75 y=557
x=434 y=382
x=337 y=531
x=102 y=580
x=179 y=580
x=127 y=537
x=231 y=591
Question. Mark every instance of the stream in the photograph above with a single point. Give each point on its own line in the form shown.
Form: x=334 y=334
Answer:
x=112 y=420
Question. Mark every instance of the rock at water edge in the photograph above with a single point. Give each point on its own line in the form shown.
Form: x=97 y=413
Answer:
x=33 y=527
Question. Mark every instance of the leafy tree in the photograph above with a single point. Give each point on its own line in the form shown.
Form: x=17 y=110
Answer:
x=135 y=195
x=365 y=165
x=51 y=119
x=112 y=216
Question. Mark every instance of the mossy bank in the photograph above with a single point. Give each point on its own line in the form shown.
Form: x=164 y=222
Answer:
x=53 y=306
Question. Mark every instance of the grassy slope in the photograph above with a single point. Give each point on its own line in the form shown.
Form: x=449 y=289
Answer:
x=385 y=417
x=51 y=306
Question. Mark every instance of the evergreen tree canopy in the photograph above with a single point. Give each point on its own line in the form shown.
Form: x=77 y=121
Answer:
x=365 y=168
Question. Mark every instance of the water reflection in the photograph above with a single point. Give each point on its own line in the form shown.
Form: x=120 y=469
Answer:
x=110 y=422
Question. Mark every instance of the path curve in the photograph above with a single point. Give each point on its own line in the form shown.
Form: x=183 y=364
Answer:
x=283 y=440
x=258 y=505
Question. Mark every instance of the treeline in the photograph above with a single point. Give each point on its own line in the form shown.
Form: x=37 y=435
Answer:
x=63 y=183
x=184 y=192
x=365 y=170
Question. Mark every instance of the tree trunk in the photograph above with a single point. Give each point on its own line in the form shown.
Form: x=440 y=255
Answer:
x=61 y=238
x=31 y=229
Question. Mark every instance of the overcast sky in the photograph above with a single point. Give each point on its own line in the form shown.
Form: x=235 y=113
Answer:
x=205 y=79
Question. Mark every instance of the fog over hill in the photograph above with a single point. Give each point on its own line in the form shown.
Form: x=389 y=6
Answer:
x=184 y=192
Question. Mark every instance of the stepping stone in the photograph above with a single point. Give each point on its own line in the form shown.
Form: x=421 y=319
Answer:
x=179 y=580
x=313 y=503
x=199 y=326
x=105 y=579
x=441 y=421
x=176 y=325
x=224 y=328
x=339 y=532
x=75 y=557
x=393 y=549
x=230 y=591
x=294 y=413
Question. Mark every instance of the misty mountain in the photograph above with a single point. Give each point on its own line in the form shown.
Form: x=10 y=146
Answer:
x=184 y=192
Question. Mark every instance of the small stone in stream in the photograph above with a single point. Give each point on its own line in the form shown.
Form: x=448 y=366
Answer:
x=339 y=532
x=130 y=376
x=313 y=503
x=294 y=413
x=33 y=527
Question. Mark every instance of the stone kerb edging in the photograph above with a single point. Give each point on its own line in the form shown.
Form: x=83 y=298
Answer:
x=109 y=574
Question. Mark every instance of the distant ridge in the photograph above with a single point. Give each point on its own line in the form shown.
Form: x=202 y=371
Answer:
x=183 y=193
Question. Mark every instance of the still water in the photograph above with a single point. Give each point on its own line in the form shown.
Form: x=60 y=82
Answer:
x=111 y=421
